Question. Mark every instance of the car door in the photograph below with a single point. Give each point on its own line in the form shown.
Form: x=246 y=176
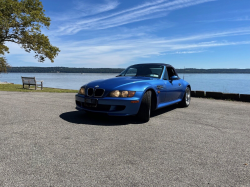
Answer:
x=161 y=88
x=173 y=87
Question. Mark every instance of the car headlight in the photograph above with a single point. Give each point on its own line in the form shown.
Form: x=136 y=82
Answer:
x=82 y=91
x=118 y=93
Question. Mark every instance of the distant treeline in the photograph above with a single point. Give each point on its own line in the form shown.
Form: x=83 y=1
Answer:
x=63 y=70
x=111 y=70
x=193 y=70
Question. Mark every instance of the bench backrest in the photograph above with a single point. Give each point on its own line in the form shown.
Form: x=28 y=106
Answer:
x=29 y=80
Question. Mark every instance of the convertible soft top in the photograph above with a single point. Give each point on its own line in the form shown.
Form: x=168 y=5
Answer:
x=167 y=65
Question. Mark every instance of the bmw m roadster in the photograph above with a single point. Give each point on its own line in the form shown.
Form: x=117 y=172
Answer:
x=138 y=90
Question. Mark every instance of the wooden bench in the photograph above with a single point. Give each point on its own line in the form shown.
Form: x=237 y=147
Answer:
x=31 y=81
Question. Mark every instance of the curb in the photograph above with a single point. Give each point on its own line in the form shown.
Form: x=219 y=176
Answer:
x=215 y=95
x=200 y=94
x=230 y=96
x=245 y=97
x=220 y=95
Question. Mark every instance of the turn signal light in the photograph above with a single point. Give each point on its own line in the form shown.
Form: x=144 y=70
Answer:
x=131 y=94
x=137 y=101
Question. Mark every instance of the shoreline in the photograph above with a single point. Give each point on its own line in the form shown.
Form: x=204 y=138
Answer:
x=6 y=82
x=120 y=72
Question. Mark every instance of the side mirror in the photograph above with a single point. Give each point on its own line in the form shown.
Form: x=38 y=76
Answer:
x=174 y=78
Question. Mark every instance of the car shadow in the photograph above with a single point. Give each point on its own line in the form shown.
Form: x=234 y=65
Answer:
x=164 y=110
x=79 y=117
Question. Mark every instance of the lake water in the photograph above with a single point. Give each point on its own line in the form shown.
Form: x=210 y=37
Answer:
x=228 y=83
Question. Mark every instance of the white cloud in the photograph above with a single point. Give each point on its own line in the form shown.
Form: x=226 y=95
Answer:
x=83 y=9
x=243 y=18
x=186 y=52
x=146 y=11
x=125 y=48
x=233 y=32
x=91 y=9
x=122 y=50
x=207 y=45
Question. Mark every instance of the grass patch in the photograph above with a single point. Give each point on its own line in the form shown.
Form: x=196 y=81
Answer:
x=19 y=88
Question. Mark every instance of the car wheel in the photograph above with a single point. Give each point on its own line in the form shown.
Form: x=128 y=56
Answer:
x=185 y=102
x=145 y=108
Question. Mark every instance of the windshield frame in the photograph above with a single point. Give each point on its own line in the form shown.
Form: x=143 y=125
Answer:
x=125 y=71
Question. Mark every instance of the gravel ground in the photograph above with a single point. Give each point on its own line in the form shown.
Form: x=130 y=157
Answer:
x=44 y=141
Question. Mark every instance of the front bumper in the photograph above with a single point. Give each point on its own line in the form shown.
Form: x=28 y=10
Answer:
x=111 y=106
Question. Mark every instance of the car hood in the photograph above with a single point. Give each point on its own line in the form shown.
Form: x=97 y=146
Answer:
x=117 y=82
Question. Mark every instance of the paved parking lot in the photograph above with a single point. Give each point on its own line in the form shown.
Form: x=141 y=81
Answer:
x=44 y=141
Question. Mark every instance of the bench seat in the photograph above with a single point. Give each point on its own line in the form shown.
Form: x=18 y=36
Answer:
x=32 y=81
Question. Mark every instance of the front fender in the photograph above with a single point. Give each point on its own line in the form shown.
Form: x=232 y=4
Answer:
x=141 y=89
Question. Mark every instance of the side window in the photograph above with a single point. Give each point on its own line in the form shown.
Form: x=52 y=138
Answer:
x=131 y=72
x=165 y=77
x=171 y=72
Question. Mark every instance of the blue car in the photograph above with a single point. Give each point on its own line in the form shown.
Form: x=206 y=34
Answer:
x=138 y=90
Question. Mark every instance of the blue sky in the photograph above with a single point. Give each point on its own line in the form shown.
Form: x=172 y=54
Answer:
x=118 y=33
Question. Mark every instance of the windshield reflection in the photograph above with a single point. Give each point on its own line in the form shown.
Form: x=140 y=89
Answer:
x=144 y=70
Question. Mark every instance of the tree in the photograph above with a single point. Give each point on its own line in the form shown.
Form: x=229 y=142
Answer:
x=21 y=22
x=3 y=65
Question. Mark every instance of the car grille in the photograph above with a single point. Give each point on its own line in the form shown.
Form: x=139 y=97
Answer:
x=96 y=92
x=90 y=92
x=99 y=92
x=100 y=107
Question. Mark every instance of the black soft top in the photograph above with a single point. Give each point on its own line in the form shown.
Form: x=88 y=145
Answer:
x=162 y=64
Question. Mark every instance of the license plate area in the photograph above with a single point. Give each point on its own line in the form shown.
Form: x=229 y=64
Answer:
x=90 y=102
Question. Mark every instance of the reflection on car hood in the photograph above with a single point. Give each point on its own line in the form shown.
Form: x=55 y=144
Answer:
x=113 y=83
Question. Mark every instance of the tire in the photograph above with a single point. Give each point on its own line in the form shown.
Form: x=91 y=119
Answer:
x=145 y=109
x=185 y=102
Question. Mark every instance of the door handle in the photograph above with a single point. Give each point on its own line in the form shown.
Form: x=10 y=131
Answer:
x=179 y=84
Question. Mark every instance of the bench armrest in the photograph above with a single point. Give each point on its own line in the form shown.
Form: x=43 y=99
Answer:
x=39 y=81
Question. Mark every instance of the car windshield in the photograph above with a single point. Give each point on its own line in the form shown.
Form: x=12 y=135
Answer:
x=144 y=70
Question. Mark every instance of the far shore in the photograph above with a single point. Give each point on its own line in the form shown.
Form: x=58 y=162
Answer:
x=114 y=70
x=6 y=82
